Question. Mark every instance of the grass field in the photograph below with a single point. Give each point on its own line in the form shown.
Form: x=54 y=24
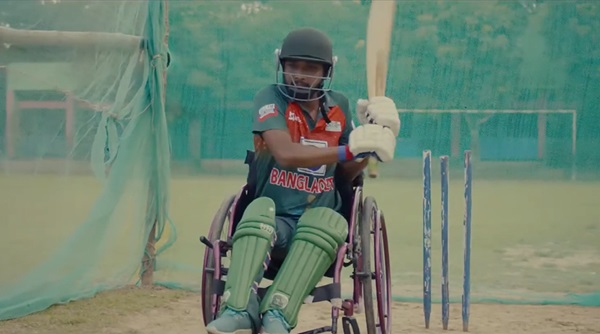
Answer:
x=527 y=236
x=531 y=240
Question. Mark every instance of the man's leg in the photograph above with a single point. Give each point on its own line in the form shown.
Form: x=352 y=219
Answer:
x=319 y=234
x=252 y=242
x=285 y=228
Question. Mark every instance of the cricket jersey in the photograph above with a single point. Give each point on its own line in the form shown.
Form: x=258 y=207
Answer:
x=295 y=189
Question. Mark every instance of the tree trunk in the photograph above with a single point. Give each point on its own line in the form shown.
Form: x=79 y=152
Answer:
x=475 y=122
x=194 y=142
x=148 y=259
x=475 y=149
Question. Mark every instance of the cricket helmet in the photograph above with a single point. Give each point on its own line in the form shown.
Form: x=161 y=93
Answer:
x=311 y=45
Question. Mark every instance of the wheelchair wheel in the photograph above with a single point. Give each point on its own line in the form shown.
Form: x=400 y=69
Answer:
x=210 y=301
x=375 y=252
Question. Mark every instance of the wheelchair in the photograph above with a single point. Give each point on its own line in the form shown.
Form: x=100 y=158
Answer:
x=365 y=249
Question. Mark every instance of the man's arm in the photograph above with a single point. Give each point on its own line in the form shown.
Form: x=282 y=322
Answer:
x=270 y=124
x=290 y=154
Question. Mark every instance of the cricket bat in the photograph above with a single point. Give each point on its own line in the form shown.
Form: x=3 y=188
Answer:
x=379 y=37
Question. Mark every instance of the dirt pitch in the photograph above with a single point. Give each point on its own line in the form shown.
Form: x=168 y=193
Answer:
x=163 y=311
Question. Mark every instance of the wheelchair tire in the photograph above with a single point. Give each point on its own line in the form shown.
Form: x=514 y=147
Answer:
x=209 y=308
x=372 y=231
x=383 y=279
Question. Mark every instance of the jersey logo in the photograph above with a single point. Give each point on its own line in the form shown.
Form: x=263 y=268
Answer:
x=334 y=126
x=266 y=111
x=293 y=117
x=319 y=170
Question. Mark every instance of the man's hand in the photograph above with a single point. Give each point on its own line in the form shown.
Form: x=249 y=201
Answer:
x=372 y=139
x=379 y=110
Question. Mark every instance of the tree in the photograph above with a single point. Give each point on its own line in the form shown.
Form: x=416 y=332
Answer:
x=571 y=32
x=457 y=55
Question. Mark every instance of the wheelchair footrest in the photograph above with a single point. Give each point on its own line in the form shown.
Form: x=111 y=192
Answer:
x=326 y=329
x=322 y=293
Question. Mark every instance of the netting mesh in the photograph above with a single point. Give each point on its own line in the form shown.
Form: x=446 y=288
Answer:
x=84 y=142
x=92 y=157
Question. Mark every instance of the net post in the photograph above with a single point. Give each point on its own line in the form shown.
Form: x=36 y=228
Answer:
x=574 y=146
x=149 y=257
x=10 y=115
x=69 y=121
x=154 y=200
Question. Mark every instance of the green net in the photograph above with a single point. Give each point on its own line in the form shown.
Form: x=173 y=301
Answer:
x=93 y=162
x=85 y=147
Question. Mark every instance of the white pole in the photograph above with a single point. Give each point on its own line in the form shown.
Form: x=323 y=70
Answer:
x=574 y=146
x=22 y=38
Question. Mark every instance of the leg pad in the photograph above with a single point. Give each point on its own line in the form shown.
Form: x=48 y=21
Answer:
x=320 y=233
x=252 y=241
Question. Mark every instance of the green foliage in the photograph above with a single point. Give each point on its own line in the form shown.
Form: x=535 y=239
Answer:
x=456 y=54
x=572 y=34
x=486 y=54
x=571 y=31
x=225 y=47
x=522 y=54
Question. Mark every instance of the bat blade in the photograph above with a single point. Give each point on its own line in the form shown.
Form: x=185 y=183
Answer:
x=379 y=35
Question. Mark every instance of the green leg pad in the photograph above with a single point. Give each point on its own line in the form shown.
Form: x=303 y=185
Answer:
x=252 y=241
x=320 y=232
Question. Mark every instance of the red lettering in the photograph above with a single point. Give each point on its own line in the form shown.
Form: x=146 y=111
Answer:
x=330 y=184
x=281 y=178
x=291 y=180
x=322 y=185
x=302 y=179
x=314 y=187
x=274 y=175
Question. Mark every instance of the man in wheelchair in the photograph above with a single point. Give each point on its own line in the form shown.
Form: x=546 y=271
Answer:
x=303 y=137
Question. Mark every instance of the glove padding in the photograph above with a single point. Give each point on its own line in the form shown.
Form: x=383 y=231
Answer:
x=372 y=140
x=379 y=110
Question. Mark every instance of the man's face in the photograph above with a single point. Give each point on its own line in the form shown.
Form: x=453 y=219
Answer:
x=303 y=73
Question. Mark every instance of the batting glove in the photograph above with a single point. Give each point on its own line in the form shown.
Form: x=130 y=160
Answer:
x=379 y=110
x=372 y=140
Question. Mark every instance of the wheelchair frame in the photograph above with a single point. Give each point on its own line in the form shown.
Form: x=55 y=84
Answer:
x=356 y=251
